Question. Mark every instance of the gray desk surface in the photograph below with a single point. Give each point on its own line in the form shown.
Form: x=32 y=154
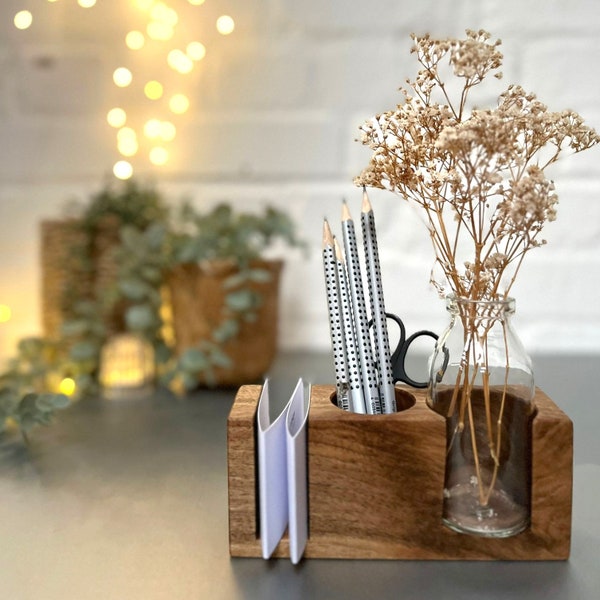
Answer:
x=128 y=500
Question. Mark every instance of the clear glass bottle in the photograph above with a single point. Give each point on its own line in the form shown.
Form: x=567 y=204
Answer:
x=481 y=381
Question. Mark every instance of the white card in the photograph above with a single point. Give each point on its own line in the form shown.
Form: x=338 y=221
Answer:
x=297 y=415
x=272 y=474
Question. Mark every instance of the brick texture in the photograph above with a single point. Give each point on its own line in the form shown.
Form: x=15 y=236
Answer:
x=276 y=107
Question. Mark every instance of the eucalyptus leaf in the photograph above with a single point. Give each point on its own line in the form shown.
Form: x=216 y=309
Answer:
x=193 y=360
x=75 y=327
x=140 y=317
x=220 y=359
x=259 y=275
x=226 y=331
x=155 y=236
x=151 y=274
x=132 y=238
x=50 y=402
x=85 y=350
x=133 y=289
x=240 y=300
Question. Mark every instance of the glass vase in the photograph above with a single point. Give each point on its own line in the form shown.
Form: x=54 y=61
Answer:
x=481 y=381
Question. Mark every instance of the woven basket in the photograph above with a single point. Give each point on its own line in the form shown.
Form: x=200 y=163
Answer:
x=61 y=271
x=65 y=275
x=197 y=297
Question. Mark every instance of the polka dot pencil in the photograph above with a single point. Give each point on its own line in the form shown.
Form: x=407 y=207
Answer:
x=361 y=321
x=382 y=344
x=357 y=399
x=336 y=326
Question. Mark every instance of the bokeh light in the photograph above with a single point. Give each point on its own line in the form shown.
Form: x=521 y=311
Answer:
x=158 y=156
x=86 y=3
x=153 y=90
x=179 y=104
x=122 y=77
x=123 y=170
x=5 y=313
x=225 y=25
x=135 y=40
x=179 y=61
x=196 y=50
x=23 y=19
x=67 y=386
x=116 y=117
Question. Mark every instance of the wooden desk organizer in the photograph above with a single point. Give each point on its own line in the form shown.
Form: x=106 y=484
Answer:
x=375 y=484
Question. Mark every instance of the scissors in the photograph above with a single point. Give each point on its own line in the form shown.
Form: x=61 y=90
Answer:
x=398 y=357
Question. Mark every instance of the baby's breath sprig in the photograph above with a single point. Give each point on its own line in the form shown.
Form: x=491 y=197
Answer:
x=477 y=173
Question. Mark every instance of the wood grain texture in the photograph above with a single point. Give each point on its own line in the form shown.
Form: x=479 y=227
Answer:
x=375 y=484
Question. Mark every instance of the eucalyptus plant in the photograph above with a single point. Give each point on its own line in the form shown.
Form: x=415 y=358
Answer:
x=23 y=396
x=152 y=238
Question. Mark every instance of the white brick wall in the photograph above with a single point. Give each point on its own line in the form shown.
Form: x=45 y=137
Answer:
x=276 y=111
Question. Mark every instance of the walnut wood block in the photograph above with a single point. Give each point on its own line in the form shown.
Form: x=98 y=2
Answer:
x=375 y=484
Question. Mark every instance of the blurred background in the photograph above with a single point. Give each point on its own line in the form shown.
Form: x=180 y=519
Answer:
x=259 y=103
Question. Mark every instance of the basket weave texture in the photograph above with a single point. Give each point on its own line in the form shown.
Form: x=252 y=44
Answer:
x=197 y=297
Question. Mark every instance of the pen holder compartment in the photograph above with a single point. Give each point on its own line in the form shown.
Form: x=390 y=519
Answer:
x=375 y=484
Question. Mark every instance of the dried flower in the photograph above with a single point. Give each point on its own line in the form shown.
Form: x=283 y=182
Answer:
x=477 y=173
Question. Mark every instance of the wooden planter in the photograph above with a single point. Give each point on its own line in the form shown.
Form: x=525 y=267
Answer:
x=197 y=300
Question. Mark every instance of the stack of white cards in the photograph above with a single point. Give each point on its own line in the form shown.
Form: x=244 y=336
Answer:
x=282 y=473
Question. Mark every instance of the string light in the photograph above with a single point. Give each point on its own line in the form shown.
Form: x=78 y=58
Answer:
x=179 y=104
x=135 y=40
x=23 y=19
x=5 y=313
x=225 y=25
x=151 y=39
x=123 y=170
x=67 y=385
x=196 y=50
x=153 y=90
x=158 y=156
x=122 y=77
x=116 y=117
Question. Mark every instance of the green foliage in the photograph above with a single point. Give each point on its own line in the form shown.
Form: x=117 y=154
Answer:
x=152 y=239
x=223 y=233
x=22 y=398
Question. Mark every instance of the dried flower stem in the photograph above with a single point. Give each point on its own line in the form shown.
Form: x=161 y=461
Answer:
x=478 y=174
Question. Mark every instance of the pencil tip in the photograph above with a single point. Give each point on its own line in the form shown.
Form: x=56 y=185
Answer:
x=345 y=211
x=366 y=204
x=338 y=250
x=327 y=235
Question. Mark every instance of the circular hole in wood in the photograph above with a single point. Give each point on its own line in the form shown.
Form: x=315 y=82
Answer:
x=404 y=400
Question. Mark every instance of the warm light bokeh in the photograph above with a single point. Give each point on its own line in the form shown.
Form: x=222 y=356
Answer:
x=67 y=386
x=123 y=170
x=179 y=104
x=23 y=19
x=163 y=40
x=122 y=77
x=5 y=313
x=135 y=40
x=116 y=117
x=225 y=25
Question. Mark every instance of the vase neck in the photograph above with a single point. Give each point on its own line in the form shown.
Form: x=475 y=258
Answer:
x=467 y=308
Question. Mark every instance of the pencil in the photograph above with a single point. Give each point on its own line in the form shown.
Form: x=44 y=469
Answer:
x=382 y=344
x=353 y=362
x=336 y=326
x=361 y=321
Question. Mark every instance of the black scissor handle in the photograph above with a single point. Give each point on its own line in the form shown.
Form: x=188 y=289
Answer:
x=398 y=357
